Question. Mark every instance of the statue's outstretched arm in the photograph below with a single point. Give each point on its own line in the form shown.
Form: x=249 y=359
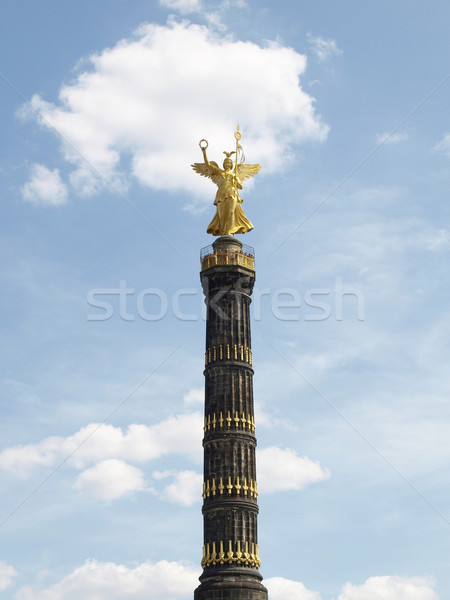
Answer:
x=207 y=168
x=203 y=147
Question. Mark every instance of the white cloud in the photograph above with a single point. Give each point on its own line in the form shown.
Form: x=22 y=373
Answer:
x=391 y=138
x=280 y=588
x=153 y=96
x=443 y=145
x=19 y=460
x=183 y=6
x=390 y=588
x=110 y=479
x=6 y=575
x=186 y=489
x=45 y=187
x=108 y=447
x=194 y=396
x=176 y=581
x=323 y=49
x=94 y=580
x=96 y=442
x=375 y=588
x=280 y=469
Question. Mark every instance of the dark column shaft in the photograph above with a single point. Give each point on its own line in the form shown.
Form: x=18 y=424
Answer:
x=230 y=553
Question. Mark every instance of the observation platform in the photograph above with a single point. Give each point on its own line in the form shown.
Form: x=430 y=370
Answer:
x=227 y=250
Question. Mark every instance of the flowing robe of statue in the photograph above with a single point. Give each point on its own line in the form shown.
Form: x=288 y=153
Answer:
x=230 y=217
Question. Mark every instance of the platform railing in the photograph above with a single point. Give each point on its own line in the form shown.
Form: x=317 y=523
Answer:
x=245 y=257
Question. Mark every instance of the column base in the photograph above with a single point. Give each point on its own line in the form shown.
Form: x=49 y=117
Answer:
x=230 y=584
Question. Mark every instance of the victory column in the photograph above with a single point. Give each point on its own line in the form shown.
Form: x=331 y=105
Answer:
x=230 y=552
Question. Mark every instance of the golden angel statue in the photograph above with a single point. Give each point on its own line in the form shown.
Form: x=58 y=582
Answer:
x=229 y=218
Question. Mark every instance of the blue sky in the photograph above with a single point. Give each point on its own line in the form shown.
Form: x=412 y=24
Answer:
x=345 y=106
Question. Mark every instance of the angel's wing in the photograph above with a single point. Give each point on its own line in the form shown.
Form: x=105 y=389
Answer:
x=213 y=171
x=245 y=171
